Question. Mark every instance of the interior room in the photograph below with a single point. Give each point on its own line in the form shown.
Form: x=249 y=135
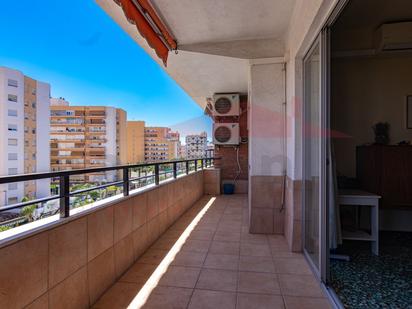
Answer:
x=371 y=118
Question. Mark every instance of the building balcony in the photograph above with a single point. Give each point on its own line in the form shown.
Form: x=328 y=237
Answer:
x=178 y=244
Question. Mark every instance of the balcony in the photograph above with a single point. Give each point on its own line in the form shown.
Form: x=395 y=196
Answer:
x=172 y=244
x=64 y=248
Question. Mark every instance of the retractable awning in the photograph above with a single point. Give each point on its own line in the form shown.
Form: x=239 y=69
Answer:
x=150 y=26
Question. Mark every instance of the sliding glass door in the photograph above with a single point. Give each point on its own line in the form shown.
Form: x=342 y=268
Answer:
x=314 y=157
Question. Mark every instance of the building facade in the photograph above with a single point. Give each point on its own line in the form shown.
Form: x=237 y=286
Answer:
x=161 y=144
x=196 y=145
x=135 y=142
x=87 y=136
x=24 y=134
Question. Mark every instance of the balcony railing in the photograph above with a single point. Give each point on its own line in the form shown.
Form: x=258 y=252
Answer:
x=63 y=188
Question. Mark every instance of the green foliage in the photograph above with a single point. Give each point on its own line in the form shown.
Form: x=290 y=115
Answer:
x=4 y=228
x=27 y=211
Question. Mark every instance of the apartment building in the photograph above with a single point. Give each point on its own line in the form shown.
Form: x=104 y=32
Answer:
x=161 y=144
x=135 y=142
x=24 y=134
x=87 y=136
x=196 y=145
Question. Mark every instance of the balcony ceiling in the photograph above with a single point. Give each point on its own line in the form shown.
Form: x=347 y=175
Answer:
x=216 y=39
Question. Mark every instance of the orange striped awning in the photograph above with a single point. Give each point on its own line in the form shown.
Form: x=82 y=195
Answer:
x=150 y=26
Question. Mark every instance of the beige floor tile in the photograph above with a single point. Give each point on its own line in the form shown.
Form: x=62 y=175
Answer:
x=292 y=266
x=251 y=282
x=259 y=301
x=306 y=303
x=138 y=273
x=168 y=297
x=256 y=264
x=299 y=285
x=246 y=237
x=204 y=299
x=120 y=295
x=221 y=261
x=153 y=256
x=227 y=236
x=199 y=246
x=224 y=247
x=217 y=280
x=255 y=250
x=180 y=276
x=189 y=259
x=202 y=235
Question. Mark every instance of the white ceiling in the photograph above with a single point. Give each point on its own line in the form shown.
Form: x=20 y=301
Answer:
x=200 y=21
x=216 y=39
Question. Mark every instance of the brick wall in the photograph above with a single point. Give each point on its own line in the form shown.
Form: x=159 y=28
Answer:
x=228 y=163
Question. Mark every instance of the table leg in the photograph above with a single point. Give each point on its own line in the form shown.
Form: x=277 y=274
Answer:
x=375 y=228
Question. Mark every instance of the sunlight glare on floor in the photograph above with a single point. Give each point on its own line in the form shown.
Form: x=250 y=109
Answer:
x=140 y=299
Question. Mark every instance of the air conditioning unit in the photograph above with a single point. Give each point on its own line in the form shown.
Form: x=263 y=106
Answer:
x=226 y=134
x=394 y=37
x=226 y=104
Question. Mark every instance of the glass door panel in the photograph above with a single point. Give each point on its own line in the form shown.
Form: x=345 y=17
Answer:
x=312 y=155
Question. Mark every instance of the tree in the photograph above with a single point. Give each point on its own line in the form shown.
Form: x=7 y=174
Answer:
x=94 y=195
x=27 y=211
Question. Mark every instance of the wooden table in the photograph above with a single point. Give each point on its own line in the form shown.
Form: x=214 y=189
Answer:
x=360 y=198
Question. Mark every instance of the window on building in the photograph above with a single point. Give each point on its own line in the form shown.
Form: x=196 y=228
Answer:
x=12 y=98
x=12 y=200
x=12 y=186
x=33 y=156
x=12 y=127
x=33 y=91
x=12 y=142
x=12 y=113
x=33 y=131
x=33 y=104
x=12 y=156
x=12 y=83
x=12 y=171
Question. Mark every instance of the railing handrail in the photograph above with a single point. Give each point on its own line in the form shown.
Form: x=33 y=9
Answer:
x=64 y=180
x=43 y=175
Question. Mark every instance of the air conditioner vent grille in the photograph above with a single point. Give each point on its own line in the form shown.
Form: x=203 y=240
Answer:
x=223 y=105
x=223 y=134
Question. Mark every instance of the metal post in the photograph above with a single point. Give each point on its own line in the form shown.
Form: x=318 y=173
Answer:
x=187 y=167
x=196 y=165
x=157 y=174
x=203 y=163
x=174 y=170
x=125 y=181
x=64 y=188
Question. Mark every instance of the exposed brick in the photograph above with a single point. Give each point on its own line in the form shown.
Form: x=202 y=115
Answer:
x=228 y=162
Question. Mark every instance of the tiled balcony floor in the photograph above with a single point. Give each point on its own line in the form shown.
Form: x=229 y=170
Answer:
x=207 y=259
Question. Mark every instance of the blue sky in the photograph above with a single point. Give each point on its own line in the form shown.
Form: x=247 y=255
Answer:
x=89 y=60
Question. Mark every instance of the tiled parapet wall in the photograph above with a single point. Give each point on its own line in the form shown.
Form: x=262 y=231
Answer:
x=267 y=215
x=211 y=181
x=293 y=219
x=71 y=263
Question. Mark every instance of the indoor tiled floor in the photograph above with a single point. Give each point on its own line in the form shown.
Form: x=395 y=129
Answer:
x=219 y=265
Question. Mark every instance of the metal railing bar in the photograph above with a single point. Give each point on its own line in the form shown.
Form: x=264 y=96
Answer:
x=23 y=204
x=114 y=183
x=37 y=176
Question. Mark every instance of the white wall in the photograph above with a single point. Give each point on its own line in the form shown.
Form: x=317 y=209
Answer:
x=366 y=91
x=306 y=22
x=266 y=119
x=111 y=155
x=43 y=137
x=5 y=164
